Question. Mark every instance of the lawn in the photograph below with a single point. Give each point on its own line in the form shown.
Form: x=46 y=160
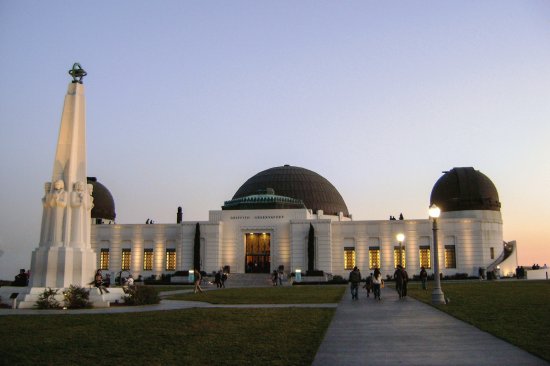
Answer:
x=516 y=311
x=282 y=336
x=269 y=295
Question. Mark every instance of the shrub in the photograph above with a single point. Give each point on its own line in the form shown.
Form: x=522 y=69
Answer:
x=315 y=272
x=77 y=297
x=337 y=280
x=47 y=300
x=141 y=295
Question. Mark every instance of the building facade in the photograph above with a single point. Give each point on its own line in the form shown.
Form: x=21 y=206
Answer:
x=268 y=221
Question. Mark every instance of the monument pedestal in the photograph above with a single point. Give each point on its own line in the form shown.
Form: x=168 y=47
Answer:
x=60 y=267
x=26 y=297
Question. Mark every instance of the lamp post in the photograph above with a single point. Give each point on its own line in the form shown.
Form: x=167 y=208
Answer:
x=400 y=237
x=437 y=294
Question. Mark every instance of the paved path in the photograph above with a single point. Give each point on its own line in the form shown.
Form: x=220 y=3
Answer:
x=164 y=305
x=407 y=332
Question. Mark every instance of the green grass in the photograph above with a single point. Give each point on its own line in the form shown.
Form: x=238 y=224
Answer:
x=282 y=336
x=516 y=311
x=269 y=295
x=289 y=336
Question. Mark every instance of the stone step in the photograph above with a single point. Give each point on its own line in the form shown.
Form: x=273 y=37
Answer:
x=249 y=280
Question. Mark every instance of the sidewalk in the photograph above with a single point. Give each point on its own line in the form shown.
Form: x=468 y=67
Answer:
x=407 y=332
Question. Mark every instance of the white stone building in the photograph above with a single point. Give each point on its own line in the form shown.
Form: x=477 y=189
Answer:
x=267 y=225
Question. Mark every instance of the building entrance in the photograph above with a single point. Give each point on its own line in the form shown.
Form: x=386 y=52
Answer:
x=258 y=256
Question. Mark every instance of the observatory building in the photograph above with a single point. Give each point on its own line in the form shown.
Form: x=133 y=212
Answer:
x=267 y=223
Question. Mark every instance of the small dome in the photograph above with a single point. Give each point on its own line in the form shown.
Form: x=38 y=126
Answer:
x=313 y=190
x=462 y=189
x=263 y=200
x=104 y=205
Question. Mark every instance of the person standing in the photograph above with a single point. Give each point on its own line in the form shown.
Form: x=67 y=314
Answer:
x=274 y=277
x=368 y=284
x=218 y=279
x=354 y=279
x=424 y=278
x=377 y=283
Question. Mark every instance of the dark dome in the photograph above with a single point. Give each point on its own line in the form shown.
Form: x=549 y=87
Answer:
x=104 y=205
x=314 y=191
x=465 y=189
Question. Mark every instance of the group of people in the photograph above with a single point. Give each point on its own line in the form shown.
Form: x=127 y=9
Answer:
x=374 y=282
x=277 y=277
x=102 y=283
x=220 y=278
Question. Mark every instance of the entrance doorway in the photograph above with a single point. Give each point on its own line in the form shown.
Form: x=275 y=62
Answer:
x=258 y=256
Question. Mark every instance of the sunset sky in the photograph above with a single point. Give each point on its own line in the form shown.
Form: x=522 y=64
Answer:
x=188 y=99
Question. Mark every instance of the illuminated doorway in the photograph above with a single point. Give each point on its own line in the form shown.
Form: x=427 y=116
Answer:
x=258 y=256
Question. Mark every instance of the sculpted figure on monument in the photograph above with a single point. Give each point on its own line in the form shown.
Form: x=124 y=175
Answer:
x=58 y=202
x=90 y=200
x=45 y=217
x=78 y=196
x=47 y=195
x=79 y=203
x=58 y=197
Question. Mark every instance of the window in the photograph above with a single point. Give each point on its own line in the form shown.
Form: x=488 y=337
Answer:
x=104 y=259
x=374 y=257
x=349 y=257
x=170 y=259
x=425 y=256
x=450 y=256
x=126 y=256
x=396 y=259
x=492 y=252
x=148 y=260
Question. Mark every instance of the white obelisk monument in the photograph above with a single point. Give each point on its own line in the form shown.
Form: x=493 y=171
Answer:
x=64 y=256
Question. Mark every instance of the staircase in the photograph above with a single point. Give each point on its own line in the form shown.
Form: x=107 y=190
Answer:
x=235 y=280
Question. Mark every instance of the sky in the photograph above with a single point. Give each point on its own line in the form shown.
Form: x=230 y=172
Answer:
x=186 y=100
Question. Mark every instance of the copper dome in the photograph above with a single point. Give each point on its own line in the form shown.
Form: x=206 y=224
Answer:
x=313 y=190
x=104 y=205
x=463 y=189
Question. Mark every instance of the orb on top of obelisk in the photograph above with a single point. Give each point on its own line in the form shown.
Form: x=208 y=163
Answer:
x=77 y=72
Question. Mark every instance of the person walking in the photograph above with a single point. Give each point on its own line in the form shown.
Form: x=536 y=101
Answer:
x=398 y=276
x=368 y=284
x=377 y=283
x=197 y=281
x=354 y=279
x=424 y=278
x=405 y=276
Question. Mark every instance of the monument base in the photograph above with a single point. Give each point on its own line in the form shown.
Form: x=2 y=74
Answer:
x=60 y=267
x=26 y=297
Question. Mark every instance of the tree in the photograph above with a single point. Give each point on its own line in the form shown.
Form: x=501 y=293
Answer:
x=311 y=249
x=197 y=248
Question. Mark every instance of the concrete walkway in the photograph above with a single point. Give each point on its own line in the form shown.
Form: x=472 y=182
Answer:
x=163 y=305
x=408 y=332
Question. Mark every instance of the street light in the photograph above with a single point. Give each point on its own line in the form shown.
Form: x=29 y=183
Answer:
x=437 y=294
x=400 y=237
